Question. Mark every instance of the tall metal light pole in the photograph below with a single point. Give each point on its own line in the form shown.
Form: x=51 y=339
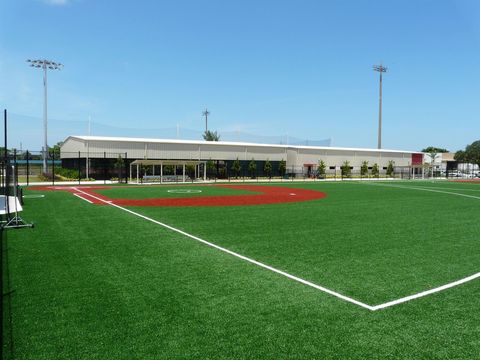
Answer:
x=206 y=113
x=381 y=69
x=45 y=64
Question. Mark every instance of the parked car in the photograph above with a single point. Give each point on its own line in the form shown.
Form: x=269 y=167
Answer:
x=455 y=174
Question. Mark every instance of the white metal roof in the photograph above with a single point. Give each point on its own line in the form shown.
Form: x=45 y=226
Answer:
x=225 y=143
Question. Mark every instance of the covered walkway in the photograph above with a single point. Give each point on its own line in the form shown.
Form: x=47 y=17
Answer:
x=158 y=170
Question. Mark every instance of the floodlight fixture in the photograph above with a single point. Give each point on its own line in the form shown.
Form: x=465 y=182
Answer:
x=206 y=113
x=44 y=64
x=380 y=69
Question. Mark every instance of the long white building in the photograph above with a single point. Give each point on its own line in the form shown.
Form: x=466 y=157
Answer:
x=299 y=159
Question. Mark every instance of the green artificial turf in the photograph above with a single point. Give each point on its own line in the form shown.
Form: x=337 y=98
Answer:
x=95 y=282
x=169 y=191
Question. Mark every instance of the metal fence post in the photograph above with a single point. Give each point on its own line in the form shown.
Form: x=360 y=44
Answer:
x=126 y=169
x=15 y=169
x=104 y=167
x=53 y=167
x=28 y=170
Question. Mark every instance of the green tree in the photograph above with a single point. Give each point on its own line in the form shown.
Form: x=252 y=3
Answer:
x=119 y=164
x=390 y=167
x=433 y=152
x=2 y=152
x=267 y=168
x=364 y=168
x=460 y=156
x=252 y=168
x=211 y=136
x=375 y=170
x=322 y=169
x=282 y=168
x=190 y=171
x=236 y=167
x=346 y=171
x=211 y=169
x=223 y=171
x=434 y=149
x=55 y=150
x=472 y=152
x=168 y=170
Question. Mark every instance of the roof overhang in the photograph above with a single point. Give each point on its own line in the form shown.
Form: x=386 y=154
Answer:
x=165 y=162
x=85 y=138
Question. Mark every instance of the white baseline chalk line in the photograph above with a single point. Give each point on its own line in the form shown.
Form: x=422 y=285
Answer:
x=427 y=292
x=81 y=197
x=293 y=277
x=446 y=188
x=423 y=189
x=437 y=289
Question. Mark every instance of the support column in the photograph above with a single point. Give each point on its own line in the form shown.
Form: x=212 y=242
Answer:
x=161 y=173
x=183 y=177
x=130 y=171
x=137 y=175
x=87 y=163
x=204 y=171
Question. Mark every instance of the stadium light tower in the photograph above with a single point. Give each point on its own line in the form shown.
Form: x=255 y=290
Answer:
x=206 y=113
x=45 y=64
x=381 y=69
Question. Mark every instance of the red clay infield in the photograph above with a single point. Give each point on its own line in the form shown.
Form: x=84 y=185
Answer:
x=266 y=195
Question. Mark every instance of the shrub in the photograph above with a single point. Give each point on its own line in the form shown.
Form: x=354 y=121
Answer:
x=322 y=169
x=190 y=171
x=211 y=169
x=236 y=168
x=71 y=174
x=267 y=168
x=346 y=171
x=390 y=167
x=168 y=170
x=282 y=168
x=364 y=168
x=252 y=168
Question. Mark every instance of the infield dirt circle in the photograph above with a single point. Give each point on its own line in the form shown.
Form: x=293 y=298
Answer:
x=264 y=195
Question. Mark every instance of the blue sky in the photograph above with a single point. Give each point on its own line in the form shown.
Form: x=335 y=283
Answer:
x=302 y=68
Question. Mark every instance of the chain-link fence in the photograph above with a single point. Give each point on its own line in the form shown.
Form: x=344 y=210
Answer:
x=80 y=167
x=35 y=166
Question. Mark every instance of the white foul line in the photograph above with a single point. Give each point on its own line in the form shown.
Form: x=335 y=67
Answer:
x=293 y=277
x=425 y=293
x=447 y=188
x=437 y=289
x=81 y=197
x=425 y=189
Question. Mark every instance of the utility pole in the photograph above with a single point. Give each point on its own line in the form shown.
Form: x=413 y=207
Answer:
x=206 y=113
x=45 y=64
x=381 y=69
